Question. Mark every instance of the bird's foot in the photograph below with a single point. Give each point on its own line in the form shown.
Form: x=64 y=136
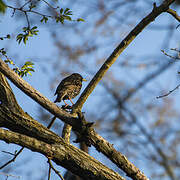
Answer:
x=67 y=106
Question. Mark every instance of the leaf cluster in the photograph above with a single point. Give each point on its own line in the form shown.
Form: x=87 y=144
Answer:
x=64 y=15
x=44 y=19
x=24 y=70
x=27 y=32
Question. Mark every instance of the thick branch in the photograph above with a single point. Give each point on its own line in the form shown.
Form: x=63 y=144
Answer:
x=116 y=157
x=35 y=95
x=120 y=48
x=26 y=125
x=68 y=156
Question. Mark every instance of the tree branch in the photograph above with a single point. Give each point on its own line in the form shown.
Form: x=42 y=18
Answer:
x=56 y=171
x=24 y=124
x=167 y=94
x=174 y=14
x=13 y=159
x=65 y=155
x=35 y=95
x=120 y=48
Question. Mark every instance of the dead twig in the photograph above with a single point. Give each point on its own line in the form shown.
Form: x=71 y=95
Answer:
x=53 y=168
x=9 y=175
x=173 y=57
x=13 y=159
x=167 y=94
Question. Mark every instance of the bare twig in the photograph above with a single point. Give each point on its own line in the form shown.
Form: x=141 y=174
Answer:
x=49 y=171
x=52 y=122
x=8 y=175
x=49 y=4
x=25 y=4
x=177 y=26
x=13 y=159
x=168 y=92
x=8 y=153
x=176 y=50
x=32 y=11
x=176 y=58
x=174 y=14
x=27 y=19
x=56 y=171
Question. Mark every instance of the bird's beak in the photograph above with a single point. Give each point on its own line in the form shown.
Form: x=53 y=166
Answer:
x=84 y=79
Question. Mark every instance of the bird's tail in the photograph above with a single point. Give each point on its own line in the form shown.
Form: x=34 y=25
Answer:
x=56 y=100
x=59 y=98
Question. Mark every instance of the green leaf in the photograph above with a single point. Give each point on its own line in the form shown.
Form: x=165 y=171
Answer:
x=2 y=7
x=25 y=39
x=25 y=29
x=61 y=10
x=66 y=10
x=67 y=18
x=6 y=61
x=45 y=19
x=29 y=63
x=9 y=61
x=30 y=73
x=80 y=19
x=8 y=36
x=30 y=33
x=3 y=52
x=19 y=38
x=35 y=27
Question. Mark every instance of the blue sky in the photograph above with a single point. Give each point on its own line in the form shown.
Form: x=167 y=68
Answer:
x=41 y=48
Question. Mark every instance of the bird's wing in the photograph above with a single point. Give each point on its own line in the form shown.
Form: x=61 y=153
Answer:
x=64 y=84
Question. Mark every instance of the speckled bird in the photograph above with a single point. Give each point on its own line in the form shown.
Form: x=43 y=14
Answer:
x=69 y=88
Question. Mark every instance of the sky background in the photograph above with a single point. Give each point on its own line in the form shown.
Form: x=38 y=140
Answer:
x=43 y=52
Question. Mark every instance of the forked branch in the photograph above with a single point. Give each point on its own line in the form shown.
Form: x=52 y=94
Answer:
x=119 y=49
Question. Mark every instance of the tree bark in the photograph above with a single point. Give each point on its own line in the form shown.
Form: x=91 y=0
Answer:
x=65 y=155
x=87 y=133
x=31 y=134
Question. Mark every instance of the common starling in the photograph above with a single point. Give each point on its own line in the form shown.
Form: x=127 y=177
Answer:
x=69 y=88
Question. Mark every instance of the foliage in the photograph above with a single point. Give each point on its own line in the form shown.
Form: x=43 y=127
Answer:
x=2 y=7
x=27 y=32
x=64 y=15
x=24 y=70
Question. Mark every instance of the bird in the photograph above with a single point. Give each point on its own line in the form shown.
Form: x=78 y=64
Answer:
x=69 y=88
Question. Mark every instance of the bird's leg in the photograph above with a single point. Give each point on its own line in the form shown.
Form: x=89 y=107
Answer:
x=66 y=106
x=71 y=100
x=66 y=103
